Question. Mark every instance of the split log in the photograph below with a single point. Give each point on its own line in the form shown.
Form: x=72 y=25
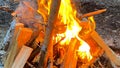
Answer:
x=24 y=36
x=109 y=52
x=12 y=50
x=22 y=57
x=95 y=50
x=9 y=34
x=20 y=37
x=70 y=60
x=46 y=51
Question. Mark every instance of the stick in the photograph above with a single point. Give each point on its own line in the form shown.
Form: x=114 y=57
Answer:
x=47 y=45
x=111 y=55
x=92 y=13
x=22 y=57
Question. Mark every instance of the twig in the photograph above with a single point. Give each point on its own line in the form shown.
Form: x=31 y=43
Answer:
x=93 y=13
x=47 y=48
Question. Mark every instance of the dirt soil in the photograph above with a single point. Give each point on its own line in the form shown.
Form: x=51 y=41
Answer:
x=108 y=25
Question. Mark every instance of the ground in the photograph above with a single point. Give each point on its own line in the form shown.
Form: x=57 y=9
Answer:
x=108 y=24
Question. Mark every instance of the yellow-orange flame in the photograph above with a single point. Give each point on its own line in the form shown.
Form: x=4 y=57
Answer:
x=67 y=16
x=44 y=8
x=84 y=51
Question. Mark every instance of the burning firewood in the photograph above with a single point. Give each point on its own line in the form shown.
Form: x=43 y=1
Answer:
x=68 y=41
x=68 y=62
x=46 y=51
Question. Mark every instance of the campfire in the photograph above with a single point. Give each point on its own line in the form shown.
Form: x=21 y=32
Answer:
x=54 y=35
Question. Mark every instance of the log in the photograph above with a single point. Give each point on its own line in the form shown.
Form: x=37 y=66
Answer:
x=109 y=52
x=70 y=60
x=24 y=36
x=20 y=37
x=9 y=34
x=47 y=45
x=96 y=52
x=22 y=57
x=12 y=51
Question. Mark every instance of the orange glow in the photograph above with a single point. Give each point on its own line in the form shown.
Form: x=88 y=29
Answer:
x=67 y=16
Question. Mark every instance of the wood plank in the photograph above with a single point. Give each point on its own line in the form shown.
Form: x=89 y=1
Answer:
x=22 y=57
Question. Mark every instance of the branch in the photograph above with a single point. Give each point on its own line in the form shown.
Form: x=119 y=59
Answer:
x=47 y=47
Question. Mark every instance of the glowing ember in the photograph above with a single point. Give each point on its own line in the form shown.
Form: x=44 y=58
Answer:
x=67 y=16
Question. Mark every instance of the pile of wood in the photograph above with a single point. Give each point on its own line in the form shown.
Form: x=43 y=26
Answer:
x=25 y=49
